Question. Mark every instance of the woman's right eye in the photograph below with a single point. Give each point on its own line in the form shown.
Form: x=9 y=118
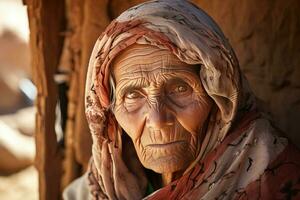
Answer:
x=133 y=95
x=133 y=100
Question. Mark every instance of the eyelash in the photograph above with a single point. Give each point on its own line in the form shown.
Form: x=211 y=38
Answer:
x=132 y=92
x=174 y=91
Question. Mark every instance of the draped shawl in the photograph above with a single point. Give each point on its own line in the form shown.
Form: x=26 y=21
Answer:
x=239 y=145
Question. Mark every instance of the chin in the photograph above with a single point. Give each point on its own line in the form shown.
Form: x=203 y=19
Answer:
x=167 y=164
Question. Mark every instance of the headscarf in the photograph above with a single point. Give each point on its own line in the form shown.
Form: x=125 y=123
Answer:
x=236 y=135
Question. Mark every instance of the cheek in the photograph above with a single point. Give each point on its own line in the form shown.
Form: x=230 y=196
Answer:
x=193 y=116
x=132 y=123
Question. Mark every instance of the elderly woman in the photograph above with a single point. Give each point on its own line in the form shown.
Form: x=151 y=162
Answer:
x=172 y=117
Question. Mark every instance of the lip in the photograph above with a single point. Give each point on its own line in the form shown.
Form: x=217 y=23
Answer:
x=164 y=145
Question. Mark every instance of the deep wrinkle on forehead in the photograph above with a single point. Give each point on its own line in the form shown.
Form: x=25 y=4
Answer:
x=148 y=63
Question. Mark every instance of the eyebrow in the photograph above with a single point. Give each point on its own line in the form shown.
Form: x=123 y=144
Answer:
x=141 y=82
x=134 y=84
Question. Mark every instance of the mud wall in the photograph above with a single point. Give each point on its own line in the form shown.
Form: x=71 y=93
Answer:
x=266 y=38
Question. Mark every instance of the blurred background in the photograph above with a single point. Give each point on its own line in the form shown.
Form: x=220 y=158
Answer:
x=18 y=177
x=49 y=114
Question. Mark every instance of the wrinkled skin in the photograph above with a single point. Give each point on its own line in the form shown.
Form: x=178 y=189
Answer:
x=161 y=104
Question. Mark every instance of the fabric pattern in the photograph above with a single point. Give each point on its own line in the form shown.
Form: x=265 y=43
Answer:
x=240 y=151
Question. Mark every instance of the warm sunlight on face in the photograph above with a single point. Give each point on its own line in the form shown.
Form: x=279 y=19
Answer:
x=162 y=106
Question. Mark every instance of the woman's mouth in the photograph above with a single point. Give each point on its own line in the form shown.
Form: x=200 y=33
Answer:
x=166 y=145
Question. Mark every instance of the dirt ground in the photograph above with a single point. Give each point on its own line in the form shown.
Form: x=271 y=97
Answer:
x=20 y=186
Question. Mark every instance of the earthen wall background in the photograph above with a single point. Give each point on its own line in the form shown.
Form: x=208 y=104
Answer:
x=266 y=38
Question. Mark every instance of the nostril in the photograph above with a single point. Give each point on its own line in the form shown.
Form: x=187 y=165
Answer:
x=159 y=119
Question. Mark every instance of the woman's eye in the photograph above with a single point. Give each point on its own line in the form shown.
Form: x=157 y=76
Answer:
x=133 y=95
x=133 y=100
x=181 y=88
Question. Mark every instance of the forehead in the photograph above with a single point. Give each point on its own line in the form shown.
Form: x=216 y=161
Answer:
x=146 y=60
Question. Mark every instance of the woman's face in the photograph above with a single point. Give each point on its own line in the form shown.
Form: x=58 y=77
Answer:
x=161 y=105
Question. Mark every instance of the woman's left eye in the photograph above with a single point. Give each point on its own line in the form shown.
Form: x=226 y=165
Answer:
x=181 y=88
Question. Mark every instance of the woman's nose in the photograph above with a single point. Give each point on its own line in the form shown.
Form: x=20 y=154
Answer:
x=159 y=117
